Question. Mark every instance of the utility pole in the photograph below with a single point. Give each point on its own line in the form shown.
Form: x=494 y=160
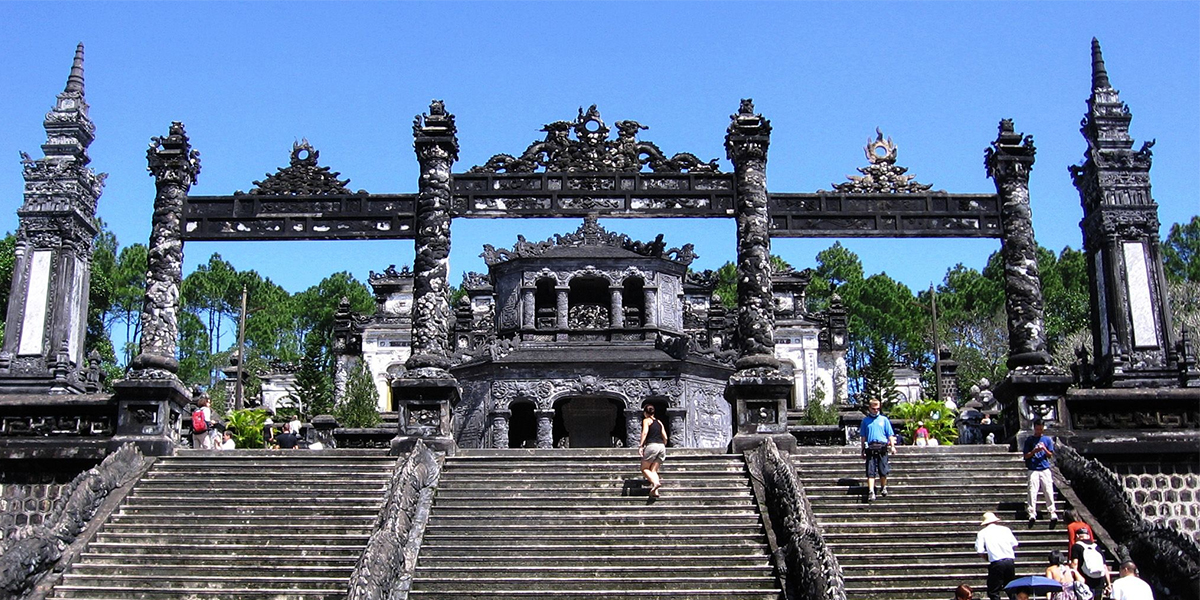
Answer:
x=237 y=400
x=937 y=346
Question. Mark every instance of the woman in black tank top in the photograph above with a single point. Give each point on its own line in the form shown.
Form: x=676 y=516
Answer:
x=653 y=448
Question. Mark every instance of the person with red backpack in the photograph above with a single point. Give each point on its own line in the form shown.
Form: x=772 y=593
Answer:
x=202 y=425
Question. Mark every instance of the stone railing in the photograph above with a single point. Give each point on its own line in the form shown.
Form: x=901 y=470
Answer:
x=1167 y=559
x=34 y=550
x=384 y=571
x=807 y=568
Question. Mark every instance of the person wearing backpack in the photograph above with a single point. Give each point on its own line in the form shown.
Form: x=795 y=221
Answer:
x=202 y=425
x=1087 y=561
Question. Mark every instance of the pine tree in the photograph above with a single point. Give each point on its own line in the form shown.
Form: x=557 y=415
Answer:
x=313 y=393
x=360 y=408
x=878 y=379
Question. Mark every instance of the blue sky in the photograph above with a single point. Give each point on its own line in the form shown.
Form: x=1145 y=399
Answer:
x=248 y=79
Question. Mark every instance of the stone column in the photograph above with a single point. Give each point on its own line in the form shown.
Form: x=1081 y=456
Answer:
x=426 y=394
x=758 y=389
x=650 y=311
x=676 y=422
x=633 y=427
x=746 y=144
x=1032 y=384
x=562 y=307
x=1009 y=160
x=617 y=310
x=174 y=165
x=528 y=309
x=150 y=401
x=545 y=428
x=500 y=419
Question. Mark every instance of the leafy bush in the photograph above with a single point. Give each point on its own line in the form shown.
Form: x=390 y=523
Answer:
x=247 y=427
x=819 y=413
x=938 y=419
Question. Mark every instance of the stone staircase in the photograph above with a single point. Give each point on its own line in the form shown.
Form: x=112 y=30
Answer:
x=284 y=525
x=578 y=524
x=919 y=542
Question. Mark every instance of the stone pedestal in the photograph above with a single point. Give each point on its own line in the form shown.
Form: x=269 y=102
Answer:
x=500 y=420
x=150 y=414
x=760 y=408
x=424 y=406
x=1030 y=392
x=322 y=431
x=633 y=427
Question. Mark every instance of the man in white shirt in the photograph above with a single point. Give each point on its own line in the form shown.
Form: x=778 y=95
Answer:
x=997 y=544
x=1129 y=586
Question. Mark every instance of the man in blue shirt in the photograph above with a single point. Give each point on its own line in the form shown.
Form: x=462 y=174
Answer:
x=878 y=441
x=1038 y=452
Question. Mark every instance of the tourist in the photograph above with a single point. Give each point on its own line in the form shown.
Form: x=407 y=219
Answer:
x=963 y=592
x=1087 y=560
x=997 y=544
x=287 y=440
x=204 y=440
x=1061 y=572
x=921 y=435
x=227 y=442
x=1038 y=452
x=1074 y=524
x=1129 y=586
x=878 y=441
x=653 y=448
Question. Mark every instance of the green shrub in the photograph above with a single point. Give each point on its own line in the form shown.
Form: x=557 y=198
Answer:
x=938 y=419
x=361 y=406
x=246 y=425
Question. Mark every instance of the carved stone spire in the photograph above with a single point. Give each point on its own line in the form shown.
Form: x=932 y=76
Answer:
x=1131 y=320
x=47 y=312
x=174 y=165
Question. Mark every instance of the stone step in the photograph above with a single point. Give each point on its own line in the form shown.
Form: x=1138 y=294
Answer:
x=614 y=498
x=669 y=488
x=139 y=499
x=245 y=529
x=563 y=455
x=559 y=483
x=188 y=579
x=548 y=583
x=981 y=450
x=257 y=522
x=648 y=539
x=107 y=592
x=585 y=550
x=252 y=547
x=168 y=510
x=579 y=514
x=614 y=592
x=552 y=557
x=633 y=570
x=592 y=528
x=102 y=560
x=274 y=539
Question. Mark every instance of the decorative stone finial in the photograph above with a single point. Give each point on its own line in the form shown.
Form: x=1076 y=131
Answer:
x=75 y=79
x=881 y=175
x=1099 y=74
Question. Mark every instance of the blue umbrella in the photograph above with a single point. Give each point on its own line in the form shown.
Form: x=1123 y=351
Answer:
x=1036 y=584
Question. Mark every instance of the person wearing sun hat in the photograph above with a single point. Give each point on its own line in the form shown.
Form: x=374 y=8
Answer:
x=997 y=544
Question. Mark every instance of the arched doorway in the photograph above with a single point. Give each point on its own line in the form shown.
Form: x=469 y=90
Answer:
x=588 y=422
x=522 y=426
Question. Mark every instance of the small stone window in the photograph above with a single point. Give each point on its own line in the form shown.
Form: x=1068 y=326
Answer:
x=545 y=305
x=588 y=303
x=633 y=298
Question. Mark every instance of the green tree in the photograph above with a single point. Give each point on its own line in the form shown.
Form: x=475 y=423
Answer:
x=972 y=323
x=316 y=306
x=211 y=293
x=1181 y=252
x=361 y=406
x=313 y=393
x=128 y=293
x=8 y=259
x=195 y=361
x=878 y=379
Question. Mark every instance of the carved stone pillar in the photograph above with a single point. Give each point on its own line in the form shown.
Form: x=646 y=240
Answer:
x=437 y=149
x=677 y=423
x=175 y=166
x=650 y=311
x=499 y=422
x=758 y=390
x=1009 y=160
x=43 y=348
x=633 y=427
x=528 y=309
x=545 y=428
x=426 y=394
x=562 y=307
x=746 y=144
x=617 y=310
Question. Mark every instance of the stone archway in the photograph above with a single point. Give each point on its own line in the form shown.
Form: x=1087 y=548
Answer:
x=522 y=425
x=589 y=422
